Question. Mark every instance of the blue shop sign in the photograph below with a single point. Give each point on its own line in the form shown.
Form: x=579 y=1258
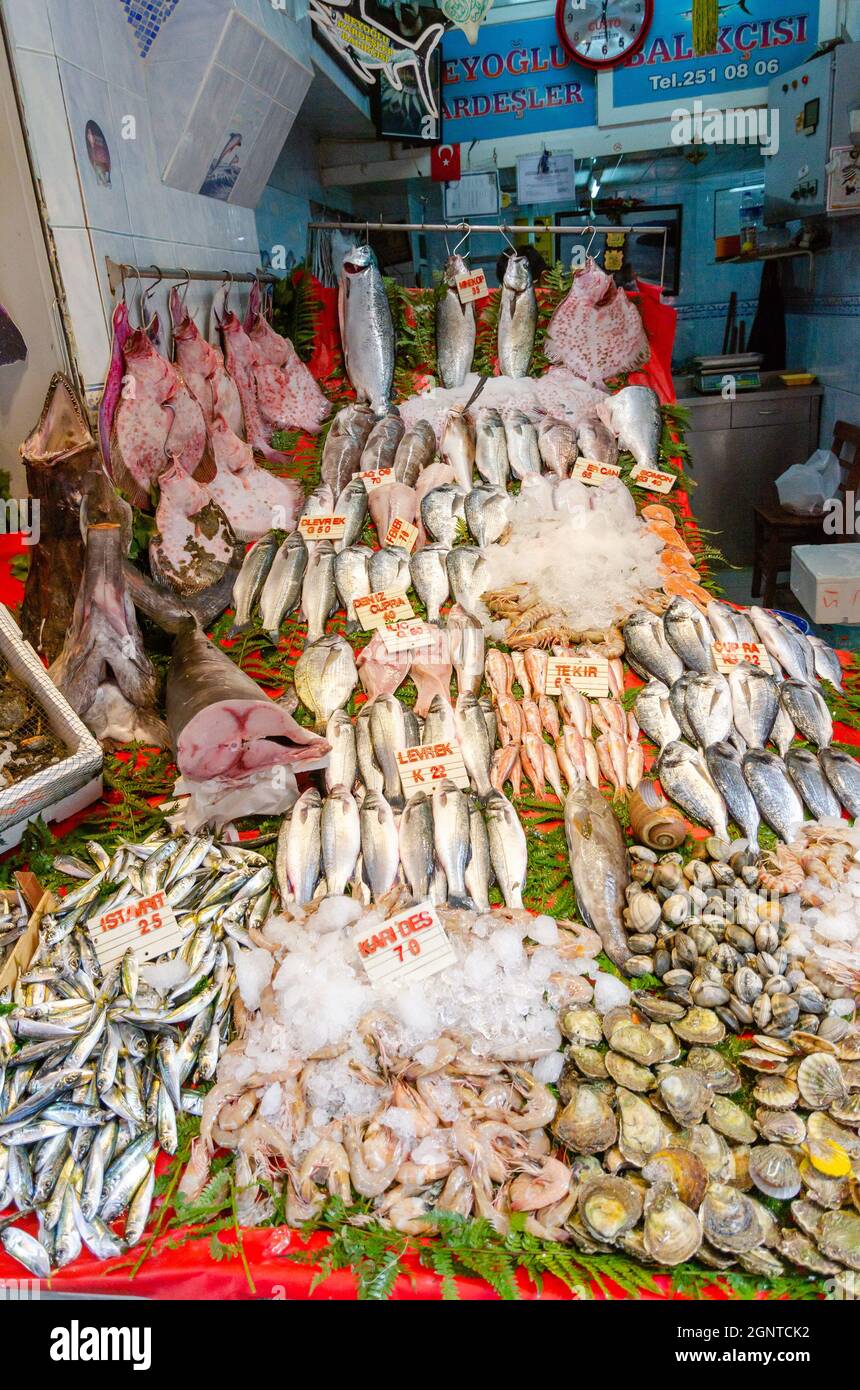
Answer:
x=516 y=80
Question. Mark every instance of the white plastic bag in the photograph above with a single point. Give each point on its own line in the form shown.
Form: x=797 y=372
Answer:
x=805 y=487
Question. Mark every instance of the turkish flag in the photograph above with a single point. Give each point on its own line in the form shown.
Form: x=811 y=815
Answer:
x=445 y=163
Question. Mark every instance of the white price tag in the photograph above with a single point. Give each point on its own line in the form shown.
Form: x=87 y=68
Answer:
x=594 y=472
x=376 y=477
x=409 y=947
x=322 y=528
x=402 y=637
x=402 y=533
x=590 y=674
x=652 y=478
x=146 y=926
x=377 y=610
x=472 y=286
x=425 y=765
x=729 y=654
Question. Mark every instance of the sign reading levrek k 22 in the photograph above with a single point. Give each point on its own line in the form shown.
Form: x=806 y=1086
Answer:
x=516 y=80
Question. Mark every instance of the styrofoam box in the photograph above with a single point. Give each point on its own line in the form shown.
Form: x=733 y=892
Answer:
x=826 y=579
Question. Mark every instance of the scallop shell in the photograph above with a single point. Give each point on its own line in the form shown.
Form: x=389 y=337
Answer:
x=728 y=1119
x=781 y=1126
x=609 y=1207
x=729 y=1219
x=820 y=1127
x=776 y=1092
x=653 y=821
x=820 y=1080
x=827 y=1192
x=774 y=1171
x=672 y=1232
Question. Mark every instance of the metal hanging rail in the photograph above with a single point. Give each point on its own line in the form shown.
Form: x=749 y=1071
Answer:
x=118 y=271
x=503 y=228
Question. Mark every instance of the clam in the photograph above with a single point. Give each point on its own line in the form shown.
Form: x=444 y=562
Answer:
x=774 y=1171
x=609 y=1207
x=776 y=1092
x=729 y=1219
x=747 y=984
x=781 y=1047
x=839 y=1237
x=701 y=1026
x=628 y=1073
x=642 y=1131
x=720 y=1075
x=582 y=1025
x=728 y=1119
x=781 y=1126
x=643 y=914
x=799 y=1249
x=672 y=1232
x=820 y=1080
x=685 y=1095
x=658 y=1007
x=682 y=1170
x=757 y=1059
x=587 y=1123
x=589 y=1061
x=676 y=908
x=637 y=1043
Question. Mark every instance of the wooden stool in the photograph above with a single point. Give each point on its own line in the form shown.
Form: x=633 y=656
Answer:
x=776 y=529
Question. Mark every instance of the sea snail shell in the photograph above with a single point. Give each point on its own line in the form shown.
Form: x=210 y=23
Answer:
x=653 y=822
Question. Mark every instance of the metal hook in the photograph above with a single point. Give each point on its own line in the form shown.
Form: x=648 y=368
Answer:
x=593 y=231
x=133 y=270
x=504 y=231
x=122 y=269
x=184 y=286
x=148 y=295
x=467 y=232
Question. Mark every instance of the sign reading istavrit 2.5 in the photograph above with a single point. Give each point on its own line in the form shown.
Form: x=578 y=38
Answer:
x=517 y=79
x=756 y=40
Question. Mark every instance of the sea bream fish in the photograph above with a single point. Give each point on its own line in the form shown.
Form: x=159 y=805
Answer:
x=491 y=449
x=807 y=711
x=685 y=777
x=648 y=650
x=843 y=773
x=755 y=703
x=557 y=443
x=708 y=705
x=635 y=420
x=596 y=441
x=366 y=329
x=521 y=439
x=725 y=767
x=807 y=774
x=654 y=714
x=455 y=326
x=457 y=446
x=517 y=318
x=325 y=677
x=487 y=512
x=775 y=794
x=688 y=634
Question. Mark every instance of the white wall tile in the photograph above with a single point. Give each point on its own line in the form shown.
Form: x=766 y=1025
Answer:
x=76 y=34
x=121 y=250
x=50 y=143
x=239 y=47
x=87 y=100
x=80 y=281
x=123 y=63
x=28 y=24
x=148 y=209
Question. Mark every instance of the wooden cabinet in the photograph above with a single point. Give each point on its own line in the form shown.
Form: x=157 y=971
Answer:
x=738 y=450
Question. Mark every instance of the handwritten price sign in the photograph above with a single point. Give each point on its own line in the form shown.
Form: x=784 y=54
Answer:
x=146 y=926
x=381 y=609
x=472 y=286
x=425 y=765
x=376 y=477
x=322 y=528
x=729 y=654
x=590 y=674
x=402 y=637
x=652 y=478
x=593 y=472
x=409 y=947
x=402 y=533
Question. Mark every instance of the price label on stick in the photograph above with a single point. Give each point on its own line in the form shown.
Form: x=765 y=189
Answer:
x=594 y=472
x=376 y=477
x=652 y=478
x=375 y=610
x=146 y=926
x=406 y=948
x=472 y=286
x=402 y=533
x=729 y=654
x=322 y=528
x=426 y=765
x=402 y=637
x=590 y=674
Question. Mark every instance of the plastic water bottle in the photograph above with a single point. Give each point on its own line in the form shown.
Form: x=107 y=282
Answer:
x=750 y=220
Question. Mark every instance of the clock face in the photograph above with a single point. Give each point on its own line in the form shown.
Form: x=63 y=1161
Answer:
x=603 y=33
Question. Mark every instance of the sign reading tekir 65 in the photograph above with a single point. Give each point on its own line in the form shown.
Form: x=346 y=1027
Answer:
x=590 y=674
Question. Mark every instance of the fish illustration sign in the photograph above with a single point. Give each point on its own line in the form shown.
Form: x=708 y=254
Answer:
x=756 y=41
x=370 y=40
x=516 y=80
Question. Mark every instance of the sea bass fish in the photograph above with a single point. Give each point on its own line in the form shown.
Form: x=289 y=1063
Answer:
x=366 y=329
x=517 y=318
x=598 y=866
x=455 y=327
x=635 y=419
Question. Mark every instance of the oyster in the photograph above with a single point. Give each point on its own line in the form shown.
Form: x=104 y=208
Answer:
x=774 y=1171
x=672 y=1232
x=729 y=1219
x=807 y=1215
x=581 y=1025
x=701 y=1026
x=609 y=1207
x=798 y=1248
x=587 y=1123
x=628 y=1073
x=685 y=1095
x=710 y=1147
x=642 y=1131
x=762 y=1261
x=728 y=1119
x=589 y=1061
x=682 y=1170
x=720 y=1075
x=637 y=1043
x=839 y=1237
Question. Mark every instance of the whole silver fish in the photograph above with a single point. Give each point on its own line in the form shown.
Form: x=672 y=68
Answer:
x=366 y=329
x=250 y=580
x=27 y=1251
x=686 y=779
x=755 y=703
x=688 y=634
x=491 y=449
x=508 y=848
x=517 y=318
x=827 y=667
x=783 y=731
x=429 y=571
x=521 y=440
x=843 y=773
x=340 y=835
x=467 y=570
x=724 y=765
x=352 y=580
x=355 y=420
x=598 y=866
x=678 y=703
x=412 y=727
x=416 y=451
x=380 y=846
x=302 y=847
x=282 y=588
x=807 y=774
x=474 y=743
x=417 y=851
x=729 y=624
x=647 y=649
x=388 y=569
x=451 y=839
x=343 y=760
x=341 y=459
x=352 y=504
x=807 y=711
x=634 y=414
x=596 y=441
x=440 y=725
x=319 y=596
x=487 y=511
x=441 y=510
x=775 y=794
x=381 y=447
x=368 y=767
x=478 y=870
x=457 y=446
x=779 y=643
x=708 y=704
x=325 y=677
x=467 y=648
x=388 y=732
x=801 y=642
x=455 y=326
x=654 y=714
x=557 y=444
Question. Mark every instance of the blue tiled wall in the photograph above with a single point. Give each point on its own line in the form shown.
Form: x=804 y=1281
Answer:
x=146 y=18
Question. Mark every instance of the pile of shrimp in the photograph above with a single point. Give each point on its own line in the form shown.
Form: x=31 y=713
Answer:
x=398 y=1106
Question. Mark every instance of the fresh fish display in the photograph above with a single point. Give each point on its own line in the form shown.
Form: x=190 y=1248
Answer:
x=648 y=649
x=725 y=767
x=325 y=677
x=250 y=580
x=517 y=318
x=486 y=512
x=455 y=326
x=441 y=511
x=807 y=711
x=282 y=588
x=598 y=866
x=352 y=580
x=654 y=714
x=755 y=703
x=557 y=443
x=774 y=792
x=685 y=778
x=635 y=420
x=807 y=774
x=366 y=329
x=521 y=440
x=708 y=705
x=688 y=635
x=457 y=447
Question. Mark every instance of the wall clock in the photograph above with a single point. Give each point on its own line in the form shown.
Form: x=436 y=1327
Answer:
x=603 y=33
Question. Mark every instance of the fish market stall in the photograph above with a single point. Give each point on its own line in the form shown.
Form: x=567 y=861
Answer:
x=473 y=904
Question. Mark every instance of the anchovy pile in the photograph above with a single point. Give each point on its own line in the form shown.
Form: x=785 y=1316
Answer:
x=95 y=1067
x=13 y=924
